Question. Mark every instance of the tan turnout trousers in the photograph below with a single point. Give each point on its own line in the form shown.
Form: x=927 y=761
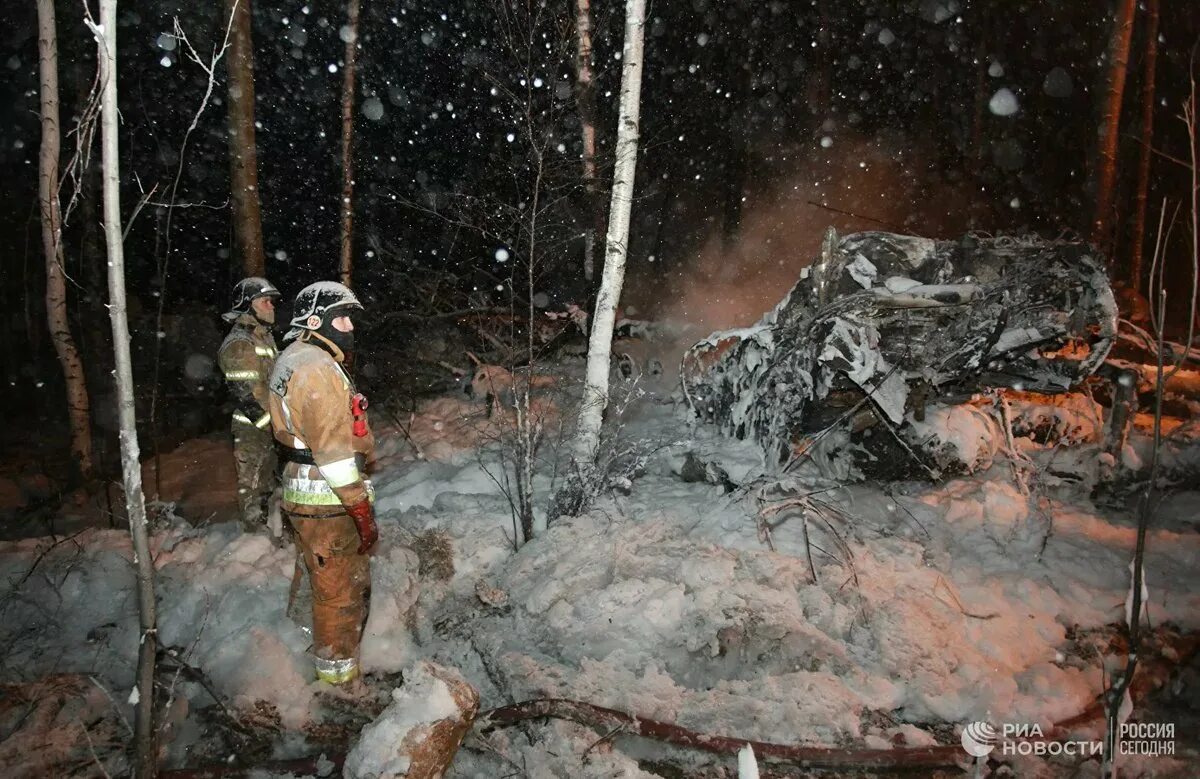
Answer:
x=340 y=580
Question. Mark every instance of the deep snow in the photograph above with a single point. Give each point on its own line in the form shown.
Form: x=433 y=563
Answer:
x=947 y=603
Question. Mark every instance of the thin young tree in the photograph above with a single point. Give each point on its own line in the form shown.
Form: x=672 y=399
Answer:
x=1116 y=697
x=135 y=502
x=350 y=33
x=1150 y=60
x=595 y=392
x=1110 y=120
x=243 y=154
x=585 y=88
x=78 y=405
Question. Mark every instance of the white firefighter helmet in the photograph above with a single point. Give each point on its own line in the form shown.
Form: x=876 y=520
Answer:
x=313 y=305
x=247 y=291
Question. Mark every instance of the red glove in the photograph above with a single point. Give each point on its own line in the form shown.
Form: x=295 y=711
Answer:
x=364 y=520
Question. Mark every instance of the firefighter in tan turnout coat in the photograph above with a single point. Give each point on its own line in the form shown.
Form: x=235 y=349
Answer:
x=247 y=357
x=322 y=435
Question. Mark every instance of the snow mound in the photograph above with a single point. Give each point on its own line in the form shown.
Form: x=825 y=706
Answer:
x=387 y=643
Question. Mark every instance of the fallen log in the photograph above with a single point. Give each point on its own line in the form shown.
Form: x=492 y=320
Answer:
x=604 y=719
x=417 y=736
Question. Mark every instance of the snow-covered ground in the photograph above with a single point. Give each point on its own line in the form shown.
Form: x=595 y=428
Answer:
x=933 y=605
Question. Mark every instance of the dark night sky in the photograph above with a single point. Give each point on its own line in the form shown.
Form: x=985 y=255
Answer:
x=892 y=110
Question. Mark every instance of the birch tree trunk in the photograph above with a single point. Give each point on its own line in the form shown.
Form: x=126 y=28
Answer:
x=347 y=262
x=1137 y=263
x=1110 y=120
x=595 y=392
x=586 y=98
x=135 y=504
x=243 y=153
x=78 y=405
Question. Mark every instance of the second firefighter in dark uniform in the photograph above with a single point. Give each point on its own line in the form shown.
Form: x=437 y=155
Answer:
x=247 y=357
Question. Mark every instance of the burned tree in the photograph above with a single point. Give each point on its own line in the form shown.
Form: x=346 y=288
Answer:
x=885 y=323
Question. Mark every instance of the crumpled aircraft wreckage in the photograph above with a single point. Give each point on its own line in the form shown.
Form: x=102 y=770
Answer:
x=883 y=325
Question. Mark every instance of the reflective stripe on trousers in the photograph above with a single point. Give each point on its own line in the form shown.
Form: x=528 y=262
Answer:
x=336 y=671
x=261 y=423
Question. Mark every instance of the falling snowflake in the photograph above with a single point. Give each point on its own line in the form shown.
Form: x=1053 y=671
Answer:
x=1003 y=103
x=372 y=108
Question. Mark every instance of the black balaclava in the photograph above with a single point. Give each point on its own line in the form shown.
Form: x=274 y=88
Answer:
x=343 y=341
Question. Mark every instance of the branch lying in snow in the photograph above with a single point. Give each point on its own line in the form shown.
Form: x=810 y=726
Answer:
x=941 y=582
x=168 y=656
x=812 y=757
x=322 y=765
x=1143 y=340
x=41 y=556
x=1176 y=650
x=116 y=707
